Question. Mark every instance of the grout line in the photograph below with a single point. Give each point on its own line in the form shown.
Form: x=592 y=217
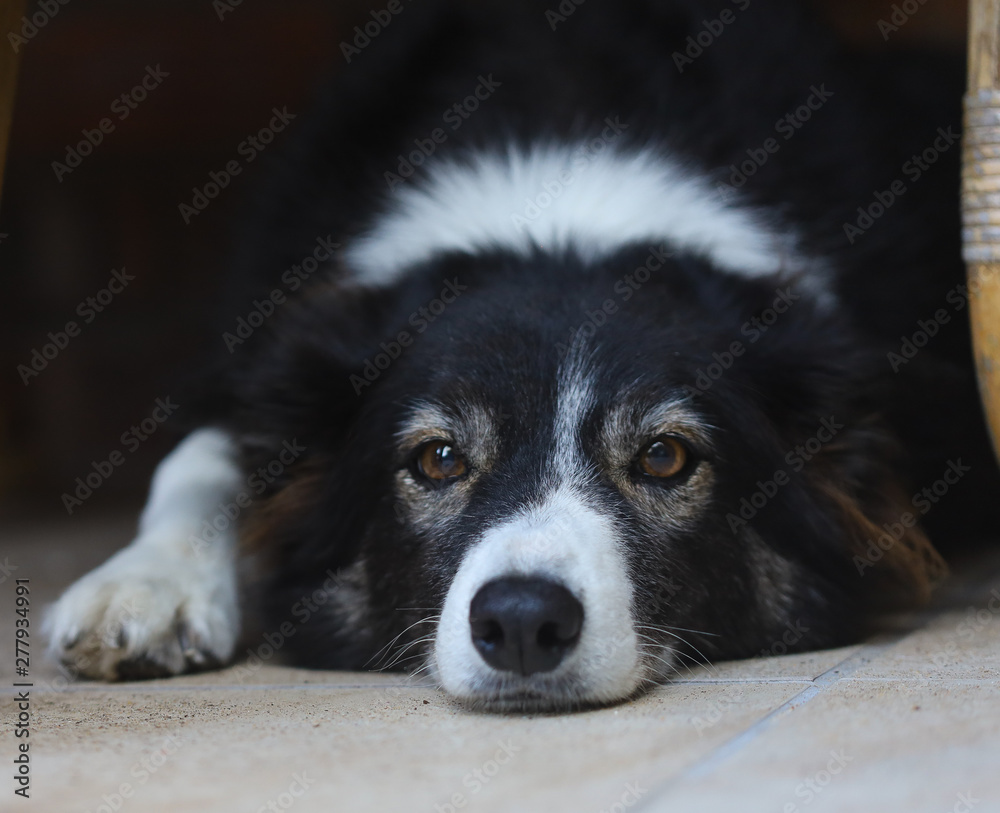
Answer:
x=960 y=681
x=846 y=667
x=139 y=688
x=739 y=680
x=843 y=670
x=709 y=763
x=910 y=678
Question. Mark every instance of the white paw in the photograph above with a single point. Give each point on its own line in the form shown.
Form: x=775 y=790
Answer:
x=146 y=612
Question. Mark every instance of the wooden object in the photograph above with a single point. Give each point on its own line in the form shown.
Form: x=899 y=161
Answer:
x=981 y=201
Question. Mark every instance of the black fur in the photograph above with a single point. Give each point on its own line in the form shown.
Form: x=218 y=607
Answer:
x=500 y=343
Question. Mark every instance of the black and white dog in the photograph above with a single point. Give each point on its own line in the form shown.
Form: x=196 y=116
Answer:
x=601 y=354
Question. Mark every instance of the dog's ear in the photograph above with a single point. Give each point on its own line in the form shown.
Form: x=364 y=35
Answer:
x=809 y=367
x=306 y=383
x=895 y=561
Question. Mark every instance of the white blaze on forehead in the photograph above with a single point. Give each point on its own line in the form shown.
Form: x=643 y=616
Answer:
x=557 y=198
x=565 y=539
x=575 y=399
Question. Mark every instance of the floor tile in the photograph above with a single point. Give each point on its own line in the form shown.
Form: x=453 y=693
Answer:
x=960 y=638
x=906 y=721
x=910 y=746
x=382 y=749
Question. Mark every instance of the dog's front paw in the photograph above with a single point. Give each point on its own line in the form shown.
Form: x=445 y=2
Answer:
x=146 y=613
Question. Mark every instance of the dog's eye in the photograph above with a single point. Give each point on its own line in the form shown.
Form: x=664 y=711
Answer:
x=438 y=460
x=664 y=457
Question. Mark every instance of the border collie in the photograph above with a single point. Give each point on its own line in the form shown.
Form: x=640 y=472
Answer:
x=591 y=340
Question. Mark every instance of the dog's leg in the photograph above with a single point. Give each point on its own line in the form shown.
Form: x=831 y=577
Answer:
x=167 y=602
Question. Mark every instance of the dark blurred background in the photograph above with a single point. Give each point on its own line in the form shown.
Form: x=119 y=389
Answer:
x=229 y=62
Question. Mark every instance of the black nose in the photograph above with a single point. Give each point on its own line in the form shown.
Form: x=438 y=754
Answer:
x=523 y=624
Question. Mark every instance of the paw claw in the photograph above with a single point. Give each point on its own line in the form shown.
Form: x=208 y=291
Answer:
x=141 y=668
x=142 y=616
x=188 y=648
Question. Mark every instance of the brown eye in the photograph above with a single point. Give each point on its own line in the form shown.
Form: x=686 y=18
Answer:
x=438 y=460
x=664 y=457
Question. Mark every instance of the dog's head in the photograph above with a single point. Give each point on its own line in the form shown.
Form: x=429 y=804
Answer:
x=552 y=485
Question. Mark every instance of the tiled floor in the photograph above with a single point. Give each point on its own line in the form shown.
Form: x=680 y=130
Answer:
x=907 y=722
